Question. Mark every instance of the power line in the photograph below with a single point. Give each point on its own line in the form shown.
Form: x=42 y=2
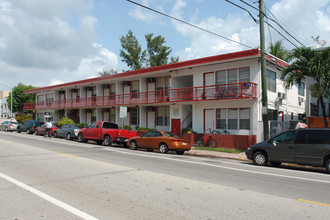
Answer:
x=192 y=25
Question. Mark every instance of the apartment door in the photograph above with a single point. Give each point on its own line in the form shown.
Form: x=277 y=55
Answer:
x=209 y=120
x=151 y=119
x=209 y=80
x=176 y=126
x=151 y=92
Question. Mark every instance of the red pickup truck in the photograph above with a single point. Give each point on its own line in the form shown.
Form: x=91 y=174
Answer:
x=107 y=132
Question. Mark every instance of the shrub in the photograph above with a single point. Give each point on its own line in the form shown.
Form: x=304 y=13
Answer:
x=20 y=118
x=126 y=127
x=81 y=125
x=145 y=129
x=65 y=121
x=187 y=131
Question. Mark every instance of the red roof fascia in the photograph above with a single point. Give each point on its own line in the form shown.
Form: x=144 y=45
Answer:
x=182 y=64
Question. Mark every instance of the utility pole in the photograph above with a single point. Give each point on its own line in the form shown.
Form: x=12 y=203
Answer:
x=263 y=71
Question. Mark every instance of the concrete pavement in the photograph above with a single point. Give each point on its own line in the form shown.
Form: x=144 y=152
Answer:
x=216 y=154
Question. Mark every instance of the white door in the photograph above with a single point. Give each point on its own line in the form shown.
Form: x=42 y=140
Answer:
x=209 y=80
x=209 y=120
x=151 y=93
x=151 y=120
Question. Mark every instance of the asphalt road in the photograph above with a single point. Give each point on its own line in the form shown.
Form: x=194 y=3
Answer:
x=59 y=179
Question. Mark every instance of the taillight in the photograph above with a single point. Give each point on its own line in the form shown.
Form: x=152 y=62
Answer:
x=176 y=140
x=11 y=125
x=32 y=127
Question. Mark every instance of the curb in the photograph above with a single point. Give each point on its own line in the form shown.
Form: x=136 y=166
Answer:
x=214 y=156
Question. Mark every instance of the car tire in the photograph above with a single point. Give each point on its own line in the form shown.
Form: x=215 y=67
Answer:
x=81 y=138
x=179 y=152
x=150 y=149
x=107 y=141
x=275 y=164
x=68 y=136
x=18 y=131
x=327 y=165
x=6 y=129
x=133 y=145
x=163 y=148
x=260 y=158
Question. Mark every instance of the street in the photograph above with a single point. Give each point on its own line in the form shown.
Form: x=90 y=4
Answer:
x=59 y=179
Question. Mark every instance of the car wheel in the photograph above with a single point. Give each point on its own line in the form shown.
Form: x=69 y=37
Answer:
x=81 y=138
x=179 y=152
x=275 y=164
x=327 y=165
x=150 y=149
x=260 y=158
x=18 y=131
x=133 y=145
x=107 y=141
x=163 y=148
x=68 y=136
x=6 y=129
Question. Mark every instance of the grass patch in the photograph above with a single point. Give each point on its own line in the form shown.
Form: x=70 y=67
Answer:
x=227 y=150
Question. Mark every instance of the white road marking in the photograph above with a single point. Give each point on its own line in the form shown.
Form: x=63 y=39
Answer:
x=56 y=202
x=168 y=157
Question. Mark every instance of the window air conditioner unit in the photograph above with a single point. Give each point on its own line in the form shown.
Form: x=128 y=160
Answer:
x=126 y=83
x=88 y=88
x=106 y=86
x=150 y=109
x=88 y=110
x=61 y=92
x=300 y=99
x=73 y=90
x=150 y=80
x=281 y=95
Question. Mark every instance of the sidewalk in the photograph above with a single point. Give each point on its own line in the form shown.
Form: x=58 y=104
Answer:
x=216 y=154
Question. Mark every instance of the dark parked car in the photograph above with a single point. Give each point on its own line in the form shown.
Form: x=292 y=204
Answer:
x=29 y=126
x=67 y=131
x=307 y=146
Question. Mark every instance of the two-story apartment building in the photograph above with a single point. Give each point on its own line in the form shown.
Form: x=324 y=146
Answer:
x=212 y=92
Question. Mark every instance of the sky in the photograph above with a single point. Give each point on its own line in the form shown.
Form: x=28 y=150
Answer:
x=46 y=42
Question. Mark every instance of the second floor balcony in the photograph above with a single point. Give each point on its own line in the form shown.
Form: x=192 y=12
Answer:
x=246 y=90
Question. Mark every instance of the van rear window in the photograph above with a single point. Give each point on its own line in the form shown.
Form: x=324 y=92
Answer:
x=109 y=125
x=313 y=137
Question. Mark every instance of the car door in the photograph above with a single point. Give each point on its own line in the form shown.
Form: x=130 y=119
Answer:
x=155 y=140
x=311 y=145
x=62 y=131
x=283 y=149
x=144 y=139
x=90 y=131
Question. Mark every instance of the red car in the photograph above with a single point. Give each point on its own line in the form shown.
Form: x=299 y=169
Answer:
x=41 y=129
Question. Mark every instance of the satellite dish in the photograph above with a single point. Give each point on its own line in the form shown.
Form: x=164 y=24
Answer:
x=319 y=43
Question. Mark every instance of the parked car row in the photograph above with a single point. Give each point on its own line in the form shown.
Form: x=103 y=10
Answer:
x=108 y=133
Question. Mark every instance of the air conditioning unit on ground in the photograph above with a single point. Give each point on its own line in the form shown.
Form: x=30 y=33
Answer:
x=300 y=99
x=150 y=80
x=281 y=95
x=126 y=83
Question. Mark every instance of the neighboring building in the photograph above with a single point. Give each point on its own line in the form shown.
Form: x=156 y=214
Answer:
x=4 y=94
x=4 y=109
x=212 y=92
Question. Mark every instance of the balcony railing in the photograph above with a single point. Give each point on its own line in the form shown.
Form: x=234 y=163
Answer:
x=246 y=90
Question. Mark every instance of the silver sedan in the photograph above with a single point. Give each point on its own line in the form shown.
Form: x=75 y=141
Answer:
x=8 y=126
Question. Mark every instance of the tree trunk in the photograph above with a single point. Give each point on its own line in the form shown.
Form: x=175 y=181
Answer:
x=323 y=112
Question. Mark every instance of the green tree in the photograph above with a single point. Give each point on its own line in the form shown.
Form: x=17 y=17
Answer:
x=131 y=52
x=278 y=50
x=314 y=64
x=156 y=53
x=19 y=98
x=106 y=73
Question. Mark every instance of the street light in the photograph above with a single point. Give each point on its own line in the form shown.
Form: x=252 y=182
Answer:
x=11 y=102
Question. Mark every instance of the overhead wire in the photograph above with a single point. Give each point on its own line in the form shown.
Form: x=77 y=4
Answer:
x=187 y=23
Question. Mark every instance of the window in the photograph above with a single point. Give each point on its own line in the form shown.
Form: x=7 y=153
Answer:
x=92 y=125
x=98 y=125
x=134 y=89
x=233 y=118
x=162 y=83
x=313 y=137
x=233 y=76
x=109 y=125
x=301 y=89
x=162 y=116
x=134 y=116
x=285 y=138
x=271 y=81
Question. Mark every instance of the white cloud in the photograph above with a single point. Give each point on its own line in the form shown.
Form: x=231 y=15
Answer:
x=142 y=13
x=40 y=45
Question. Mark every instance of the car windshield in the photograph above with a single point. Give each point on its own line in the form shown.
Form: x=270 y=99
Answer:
x=170 y=134
x=13 y=122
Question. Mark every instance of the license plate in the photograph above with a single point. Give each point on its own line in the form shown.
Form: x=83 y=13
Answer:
x=184 y=143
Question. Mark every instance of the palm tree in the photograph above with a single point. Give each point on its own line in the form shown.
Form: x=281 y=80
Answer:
x=278 y=50
x=314 y=64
